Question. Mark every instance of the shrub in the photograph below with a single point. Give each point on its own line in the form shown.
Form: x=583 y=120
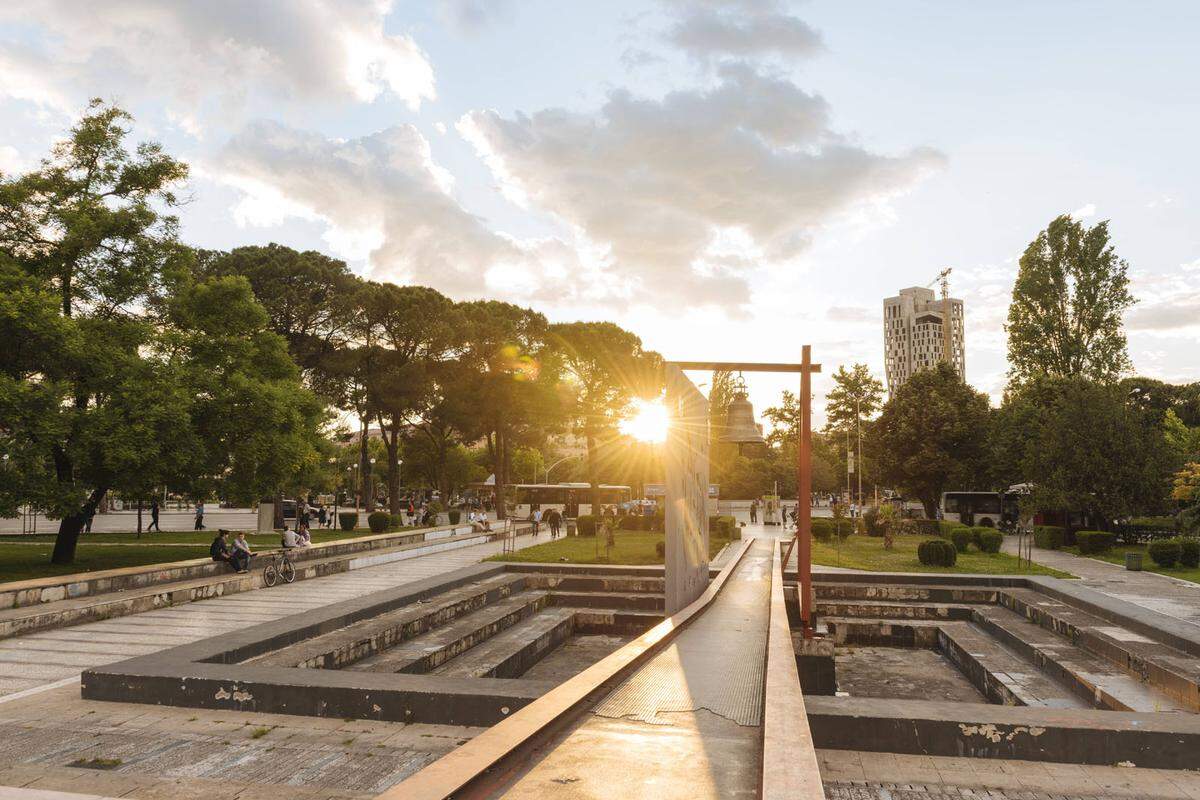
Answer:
x=945 y=526
x=723 y=527
x=937 y=553
x=1189 y=551
x=927 y=527
x=1049 y=537
x=1095 y=541
x=990 y=541
x=961 y=537
x=395 y=522
x=1165 y=552
x=661 y=549
x=347 y=520
x=455 y=515
x=658 y=520
x=822 y=529
x=585 y=525
x=630 y=522
x=872 y=525
x=378 y=521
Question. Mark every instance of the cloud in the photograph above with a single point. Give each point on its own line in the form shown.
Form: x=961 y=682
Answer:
x=186 y=53
x=1084 y=212
x=1168 y=304
x=854 y=314
x=473 y=16
x=384 y=200
x=706 y=29
x=665 y=184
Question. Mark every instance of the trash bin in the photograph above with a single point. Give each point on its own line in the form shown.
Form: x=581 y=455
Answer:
x=570 y=527
x=1133 y=562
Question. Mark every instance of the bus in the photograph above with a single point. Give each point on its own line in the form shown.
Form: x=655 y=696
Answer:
x=983 y=509
x=567 y=496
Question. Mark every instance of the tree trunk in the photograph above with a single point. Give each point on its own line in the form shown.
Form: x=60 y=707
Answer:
x=139 y=533
x=590 y=439
x=364 y=469
x=70 y=527
x=501 y=511
x=277 y=519
x=393 y=448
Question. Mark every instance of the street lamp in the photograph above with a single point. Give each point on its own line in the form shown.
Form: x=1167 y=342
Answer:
x=556 y=463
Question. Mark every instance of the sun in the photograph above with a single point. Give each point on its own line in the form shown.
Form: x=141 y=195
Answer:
x=647 y=422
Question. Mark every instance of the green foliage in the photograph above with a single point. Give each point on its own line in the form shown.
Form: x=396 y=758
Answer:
x=1049 y=537
x=945 y=527
x=660 y=548
x=937 y=553
x=1065 y=319
x=724 y=527
x=931 y=435
x=1165 y=552
x=927 y=527
x=585 y=525
x=961 y=537
x=347 y=520
x=1095 y=541
x=872 y=525
x=395 y=521
x=455 y=515
x=823 y=529
x=378 y=521
x=1189 y=551
x=989 y=540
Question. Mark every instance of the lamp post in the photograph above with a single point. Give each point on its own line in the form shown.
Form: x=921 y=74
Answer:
x=556 y=463
x=332 y=461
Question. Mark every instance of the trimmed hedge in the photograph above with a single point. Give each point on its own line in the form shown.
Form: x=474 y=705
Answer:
x=1189 y=551
x=961 y=537
x=926 y=527
x=347 y=520
x=945 y=526
x=585 y=525
x=823 y=529
x=937 y=553
x=396 y=521
x=1095 y=541
x=1049 y=537
x=455 y=515
x=990 y=540
x=661 y=549
x=378 y=521
x=724 y=527
x=1165 y=552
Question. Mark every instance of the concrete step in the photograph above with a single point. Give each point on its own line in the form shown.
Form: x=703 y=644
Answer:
x=1095 y=680
x=614 y=622
x=641 y=601
x=595 y=583
x=893 y=609
x=343 y=647
x=907 y=593
x=509 y=653
x=430 y=650
x=859 y=632
x=1168 y=670
x=1003 y=675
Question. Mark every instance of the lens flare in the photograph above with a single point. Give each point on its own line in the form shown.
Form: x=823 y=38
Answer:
x=647 y=422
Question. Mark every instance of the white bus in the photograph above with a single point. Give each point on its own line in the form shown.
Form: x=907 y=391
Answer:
x=983 y=509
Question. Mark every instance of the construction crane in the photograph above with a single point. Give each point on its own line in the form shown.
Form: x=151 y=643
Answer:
x=943 y=278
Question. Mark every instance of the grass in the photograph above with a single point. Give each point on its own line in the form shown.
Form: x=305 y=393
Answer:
x=27 y=557
x=1117 y=556
x=866 y=552
x=258 y=733
x=631 y=547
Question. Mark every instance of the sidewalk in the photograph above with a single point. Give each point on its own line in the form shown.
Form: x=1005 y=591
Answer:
x=1170 y=596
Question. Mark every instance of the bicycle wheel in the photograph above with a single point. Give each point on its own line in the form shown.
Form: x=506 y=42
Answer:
x=287 y=571
x=270 y=574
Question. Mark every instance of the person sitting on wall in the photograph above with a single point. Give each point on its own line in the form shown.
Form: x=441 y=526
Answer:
x=289 y=539
x=241 y=552
x=304 y=536
x=219 y=549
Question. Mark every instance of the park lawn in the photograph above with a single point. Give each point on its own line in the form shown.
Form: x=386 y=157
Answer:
x=867 y=553
x=21 y=561
x=1117 y=556
x=632 y=547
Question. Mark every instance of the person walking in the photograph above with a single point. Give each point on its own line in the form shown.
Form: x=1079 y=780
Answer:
x=754 y=512
x=554 y=518
x=89 y=518
x=535 y=517
x=154 y=517
x=199 y=516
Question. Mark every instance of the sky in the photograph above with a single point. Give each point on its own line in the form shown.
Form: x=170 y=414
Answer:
x=729 y=179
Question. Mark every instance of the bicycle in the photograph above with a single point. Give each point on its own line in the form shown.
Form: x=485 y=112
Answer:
x=280 y=566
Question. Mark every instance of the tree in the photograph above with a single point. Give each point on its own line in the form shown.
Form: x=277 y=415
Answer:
x=1065 y=319
x=1186 y=484
x=1089 y=448
x=528 y=464
x=518 y=400
x=856 y=396
x=141 y=377
x=931 y=436
x=604 y=368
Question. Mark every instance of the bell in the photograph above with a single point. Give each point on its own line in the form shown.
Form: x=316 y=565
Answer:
x=740 y=428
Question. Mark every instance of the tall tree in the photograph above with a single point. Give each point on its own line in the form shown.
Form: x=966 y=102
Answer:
x=855 y=398
x=517 y=402
x=604 y=368
x=1065 y=319
x=932 y=436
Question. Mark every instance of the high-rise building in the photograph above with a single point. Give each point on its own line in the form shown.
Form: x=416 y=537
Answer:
x=913 y=337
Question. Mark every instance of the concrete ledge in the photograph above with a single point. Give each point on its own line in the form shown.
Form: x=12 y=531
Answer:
x=1157 y=740
x=790 y=770
x=20 y=594
x=310 y=563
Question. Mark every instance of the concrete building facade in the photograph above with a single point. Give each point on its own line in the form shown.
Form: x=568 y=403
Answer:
x=913 y=337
